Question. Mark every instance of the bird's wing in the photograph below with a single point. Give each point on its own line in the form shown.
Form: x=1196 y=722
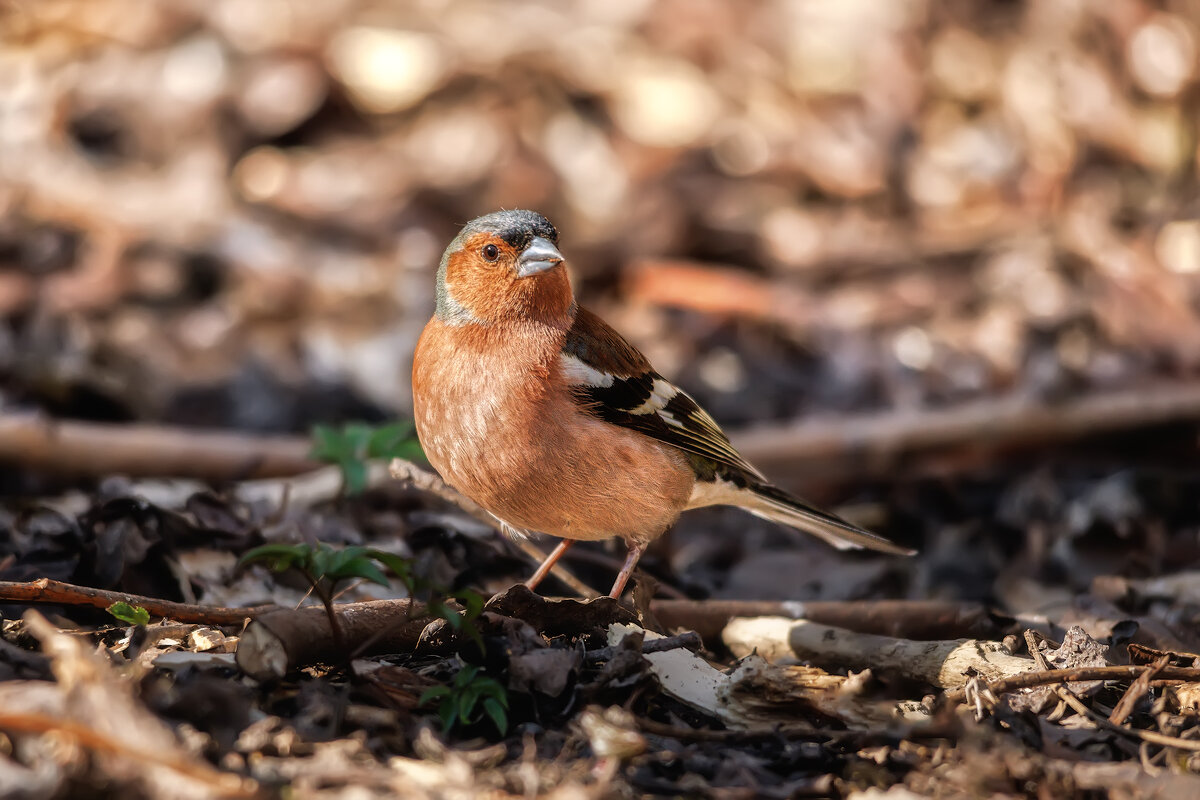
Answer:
x=612 y=381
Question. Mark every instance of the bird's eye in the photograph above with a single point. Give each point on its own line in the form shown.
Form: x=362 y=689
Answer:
x=491 y=252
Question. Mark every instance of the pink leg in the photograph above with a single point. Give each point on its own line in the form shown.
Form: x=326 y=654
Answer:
x=635 y=552
x=549 y=563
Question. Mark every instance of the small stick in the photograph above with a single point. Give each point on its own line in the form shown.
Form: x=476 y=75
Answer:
x=872 y=444
x=409 y=473
x=863 y=444
x=1139 y=687
x=44 y=591
x=689 y=640
x=1153 y=737
x=1029 y=679
x=85 y=448
x=905 y=619
x=732 y=734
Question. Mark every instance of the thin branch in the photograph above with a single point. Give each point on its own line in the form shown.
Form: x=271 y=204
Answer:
x=905 y=619
x=1110 y=673
x=85 y=448
x=1153 y=737
x=689 y=640
x=874 y=443
x=862 y=444
x=409 y=473
x=732 y=734
x=1027 y=680
x=1139 y=687
x=44 y=591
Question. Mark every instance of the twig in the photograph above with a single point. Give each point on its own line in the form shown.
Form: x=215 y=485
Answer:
x=1110 y=673
x=85 y=448
x=411 y=474
x=32 y=722
x=729 y=734
x=689 y=640
x=790 y=730
x=906 y=619
x=1139 y=687
x=872 y=444
x=1032 y=644
x=1153 y=737
x=863 y=444
x=1027 y=680
x=537 y=556
x=44 y=591
x=1142 y=674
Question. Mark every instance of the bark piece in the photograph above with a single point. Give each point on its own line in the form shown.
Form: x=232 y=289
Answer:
x=277 y=642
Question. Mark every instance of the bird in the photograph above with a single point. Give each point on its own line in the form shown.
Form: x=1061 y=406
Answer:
x=536 y=409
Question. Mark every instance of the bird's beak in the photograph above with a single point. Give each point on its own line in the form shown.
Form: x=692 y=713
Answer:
x=539 y=256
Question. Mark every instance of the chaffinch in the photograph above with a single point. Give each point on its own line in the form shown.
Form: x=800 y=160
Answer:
x=540 y=412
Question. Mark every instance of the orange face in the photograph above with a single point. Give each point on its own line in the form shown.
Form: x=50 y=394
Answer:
x=487 y=278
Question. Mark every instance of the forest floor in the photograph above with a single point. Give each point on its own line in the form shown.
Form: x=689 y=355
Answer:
x=933 y=265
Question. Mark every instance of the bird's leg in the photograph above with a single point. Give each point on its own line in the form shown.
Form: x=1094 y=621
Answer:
x=635 y=552
x=549 y=563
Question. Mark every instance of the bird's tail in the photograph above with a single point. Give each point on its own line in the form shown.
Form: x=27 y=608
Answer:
x=770 y=502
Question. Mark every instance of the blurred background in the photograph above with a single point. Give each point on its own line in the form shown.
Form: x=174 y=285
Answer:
x=228 y=213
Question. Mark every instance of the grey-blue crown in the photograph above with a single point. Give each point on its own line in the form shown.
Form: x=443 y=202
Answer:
x=515 y=227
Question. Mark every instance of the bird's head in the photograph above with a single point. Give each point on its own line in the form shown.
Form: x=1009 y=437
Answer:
x=503 y=266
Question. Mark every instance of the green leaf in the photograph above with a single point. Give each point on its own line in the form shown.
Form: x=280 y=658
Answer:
x=448 y=713
x=496 y=690
x=320 y=557
x=469 y=698
x=134 y=615
x=278 y=556
x=400 y=566
x=410 y=450
x=358 y=436
x=334 y=559
x=433 y=692
x=466 y=707
x=389 y=440
x=436 y=608
x=495 y=710
x=358 y=568
x=354 y=475
x=472 y=603
x=354 y=443
x=329 y=444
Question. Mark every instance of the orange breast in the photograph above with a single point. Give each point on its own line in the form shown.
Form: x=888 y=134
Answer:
x=498 y=425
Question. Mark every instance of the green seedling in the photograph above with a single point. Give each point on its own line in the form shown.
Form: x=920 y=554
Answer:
x=468 y=697
x=325 y=567
x=353 y=445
